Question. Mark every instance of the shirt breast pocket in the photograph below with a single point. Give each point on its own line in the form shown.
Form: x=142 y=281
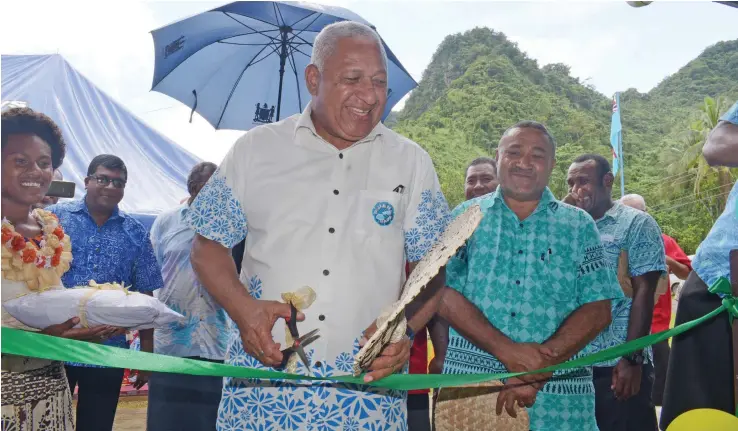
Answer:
x=380 y=214
x=552 y=280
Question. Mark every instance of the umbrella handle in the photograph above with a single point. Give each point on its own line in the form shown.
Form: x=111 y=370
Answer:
x=194 y=106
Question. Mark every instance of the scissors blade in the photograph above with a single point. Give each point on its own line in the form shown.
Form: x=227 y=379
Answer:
x=302 y=338
x=307 y=341
x=301 y=353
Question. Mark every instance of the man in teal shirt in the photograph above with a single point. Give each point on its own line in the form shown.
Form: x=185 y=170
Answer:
x=622 y=386
x=535 y=270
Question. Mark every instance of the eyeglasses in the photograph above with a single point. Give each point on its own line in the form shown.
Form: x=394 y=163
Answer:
x=103 y=180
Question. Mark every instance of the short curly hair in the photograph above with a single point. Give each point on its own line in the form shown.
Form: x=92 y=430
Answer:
x=21 y=121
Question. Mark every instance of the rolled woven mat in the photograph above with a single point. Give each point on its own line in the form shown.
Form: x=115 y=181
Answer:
x=472 y=408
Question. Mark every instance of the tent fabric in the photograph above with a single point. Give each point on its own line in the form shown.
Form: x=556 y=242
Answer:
x=93 y=123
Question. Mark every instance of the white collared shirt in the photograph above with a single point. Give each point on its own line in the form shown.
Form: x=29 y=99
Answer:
x=343 y=223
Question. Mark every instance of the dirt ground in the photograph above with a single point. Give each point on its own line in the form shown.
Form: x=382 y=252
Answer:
x=131 y=414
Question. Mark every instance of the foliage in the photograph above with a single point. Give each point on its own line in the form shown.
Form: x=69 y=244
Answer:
x=690 y=164
x=479 y=83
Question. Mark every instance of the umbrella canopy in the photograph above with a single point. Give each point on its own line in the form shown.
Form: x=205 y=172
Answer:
x=242 y=64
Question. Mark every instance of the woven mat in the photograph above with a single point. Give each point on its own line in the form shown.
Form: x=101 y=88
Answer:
x=472 y=408
x=455 y=235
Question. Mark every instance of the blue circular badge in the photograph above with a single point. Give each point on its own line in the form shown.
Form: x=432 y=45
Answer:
x=383 y=213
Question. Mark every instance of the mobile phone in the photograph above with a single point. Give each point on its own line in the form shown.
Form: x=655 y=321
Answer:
x=61 y=189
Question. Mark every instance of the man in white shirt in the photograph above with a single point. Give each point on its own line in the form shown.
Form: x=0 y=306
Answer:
x=330 y=199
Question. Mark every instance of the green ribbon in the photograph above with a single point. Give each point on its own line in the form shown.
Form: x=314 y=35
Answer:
x=730 y=303
x=723 y=288
x=35 y=345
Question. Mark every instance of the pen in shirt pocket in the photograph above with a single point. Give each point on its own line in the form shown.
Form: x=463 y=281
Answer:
x=546 y=256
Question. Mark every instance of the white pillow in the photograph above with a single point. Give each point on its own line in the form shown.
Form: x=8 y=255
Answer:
x=94 y=307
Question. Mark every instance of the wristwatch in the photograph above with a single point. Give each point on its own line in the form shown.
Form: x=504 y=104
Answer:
x=635 y=358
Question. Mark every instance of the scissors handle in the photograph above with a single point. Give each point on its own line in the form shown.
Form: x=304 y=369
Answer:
x=292 y=323
x=286 y=355
x=297 y=347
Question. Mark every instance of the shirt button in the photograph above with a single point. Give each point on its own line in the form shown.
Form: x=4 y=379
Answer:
x=512 y=314
x=520 y=251
x=97 y=249
x=318 y=364
x=335 y=192
x=326 y=272
x=340 y=155
x=517 y=281
x=521 y=225
x=321 y=317
x=331 y=230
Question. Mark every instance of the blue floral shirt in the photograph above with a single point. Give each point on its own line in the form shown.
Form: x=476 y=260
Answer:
x=117 y=252
x=204 y=332
x=623 y=228
x=527 y=276
x=712 y=259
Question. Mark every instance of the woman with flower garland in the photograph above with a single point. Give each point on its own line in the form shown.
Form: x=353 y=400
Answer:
x=35 y=253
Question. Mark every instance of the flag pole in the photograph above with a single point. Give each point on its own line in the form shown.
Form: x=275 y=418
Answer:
x=620 y=149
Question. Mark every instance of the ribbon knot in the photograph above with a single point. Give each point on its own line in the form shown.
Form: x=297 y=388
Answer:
x=730 y=303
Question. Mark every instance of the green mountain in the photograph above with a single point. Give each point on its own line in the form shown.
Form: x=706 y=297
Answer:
x=479 y=83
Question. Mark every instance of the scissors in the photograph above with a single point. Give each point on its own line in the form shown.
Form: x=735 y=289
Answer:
x=298 y=342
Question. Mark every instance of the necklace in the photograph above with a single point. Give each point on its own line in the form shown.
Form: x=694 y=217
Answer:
x=41 y=261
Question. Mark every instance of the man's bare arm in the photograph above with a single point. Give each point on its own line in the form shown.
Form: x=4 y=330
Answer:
x=455 y=309
x=679 y=269
x=473 y=325
x=578 y=329
x=721 y=148
x=438 y=330
x=458 y=311
x=217 y=272
x=641 y=312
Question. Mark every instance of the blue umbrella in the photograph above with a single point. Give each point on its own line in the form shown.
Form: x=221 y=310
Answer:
x=242 y=64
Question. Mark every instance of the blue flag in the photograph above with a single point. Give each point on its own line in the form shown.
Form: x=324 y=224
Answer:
x=615 y=131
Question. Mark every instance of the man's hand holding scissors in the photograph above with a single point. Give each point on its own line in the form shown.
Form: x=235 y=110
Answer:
x=256 y=325
x=298 y=342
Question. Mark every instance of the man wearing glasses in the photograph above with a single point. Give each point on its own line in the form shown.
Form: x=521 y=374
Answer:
x=109 y=246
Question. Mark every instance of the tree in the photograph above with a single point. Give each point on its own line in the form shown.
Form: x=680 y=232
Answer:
x=710 y=185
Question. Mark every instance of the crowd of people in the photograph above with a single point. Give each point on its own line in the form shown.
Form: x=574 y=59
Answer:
x=334 y=200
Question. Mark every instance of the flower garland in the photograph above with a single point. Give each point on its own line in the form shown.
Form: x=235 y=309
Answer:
x=39 y=263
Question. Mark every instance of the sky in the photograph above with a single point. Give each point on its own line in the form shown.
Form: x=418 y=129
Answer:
x=609 y=45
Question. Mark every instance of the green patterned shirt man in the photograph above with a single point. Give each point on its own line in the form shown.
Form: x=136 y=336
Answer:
x=527 y=277
x=539 y=287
